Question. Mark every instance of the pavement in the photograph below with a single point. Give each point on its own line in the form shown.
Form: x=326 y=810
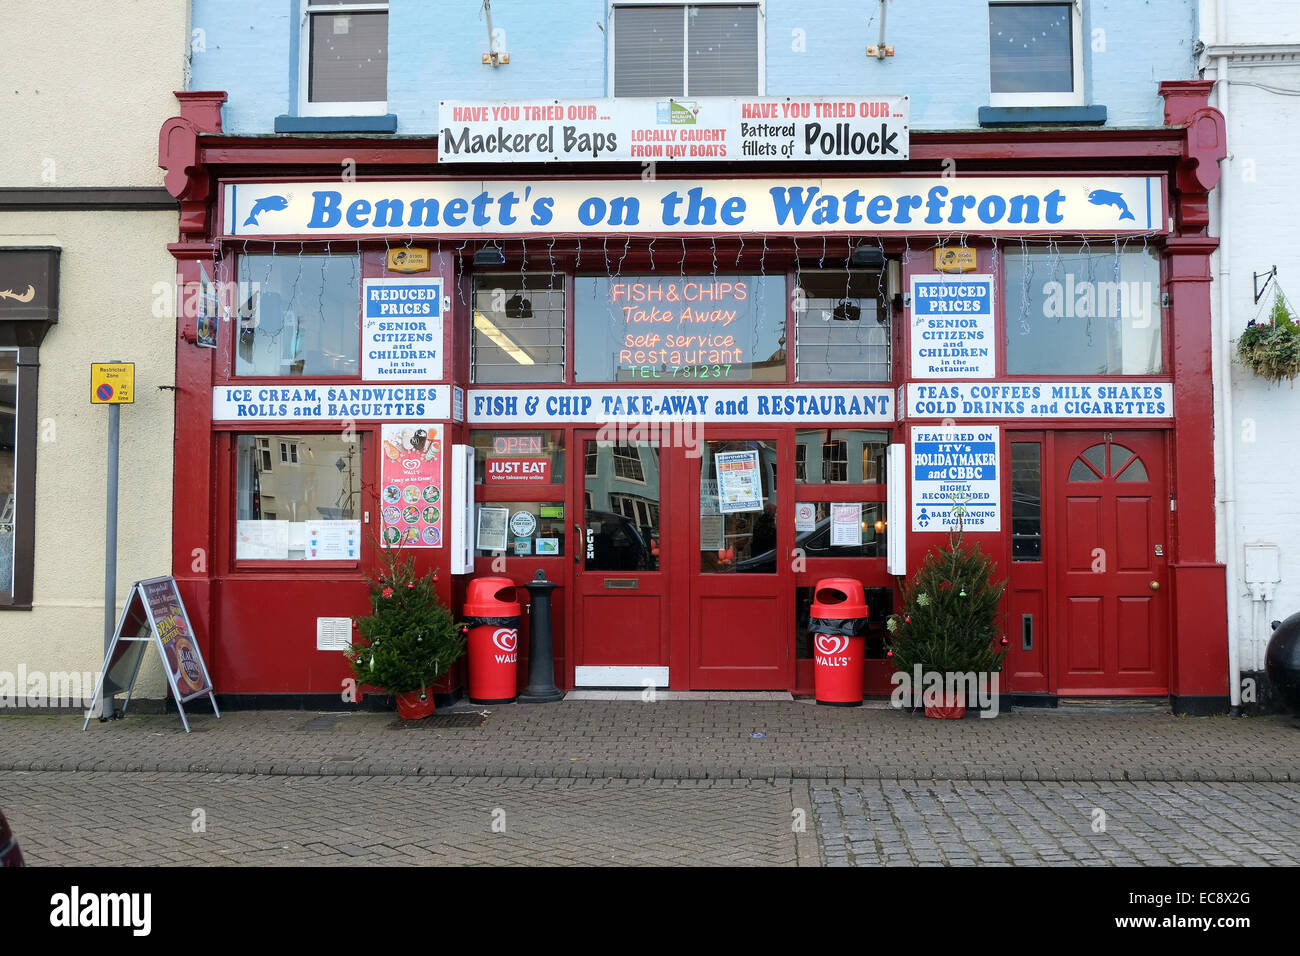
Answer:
x=708 y=739
x=698 y=782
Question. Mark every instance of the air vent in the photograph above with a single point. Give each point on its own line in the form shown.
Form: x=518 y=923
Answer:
x=333 y=633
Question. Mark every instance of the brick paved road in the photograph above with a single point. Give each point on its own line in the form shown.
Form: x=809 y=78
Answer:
x=63 y=818
x=677 y=739
x=905 y=823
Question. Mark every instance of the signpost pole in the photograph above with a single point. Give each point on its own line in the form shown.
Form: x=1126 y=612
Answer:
x=110 y=545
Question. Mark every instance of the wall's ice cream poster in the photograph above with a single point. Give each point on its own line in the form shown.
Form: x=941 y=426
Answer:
x=410 y=490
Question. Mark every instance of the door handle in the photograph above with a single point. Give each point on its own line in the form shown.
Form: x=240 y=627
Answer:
x=1154 y=585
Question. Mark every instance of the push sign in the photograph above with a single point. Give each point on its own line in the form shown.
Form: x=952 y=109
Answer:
x=401 y=329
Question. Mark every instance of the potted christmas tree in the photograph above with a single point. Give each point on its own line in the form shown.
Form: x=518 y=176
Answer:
x=409 y=640
x=948 y=627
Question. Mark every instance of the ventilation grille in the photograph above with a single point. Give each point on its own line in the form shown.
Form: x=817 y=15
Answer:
x=333 y=633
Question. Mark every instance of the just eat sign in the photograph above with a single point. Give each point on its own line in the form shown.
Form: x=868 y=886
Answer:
x=519 y=469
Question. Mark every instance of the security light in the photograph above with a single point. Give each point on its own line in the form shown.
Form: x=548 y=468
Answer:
x=867 y=257
x=490 y=256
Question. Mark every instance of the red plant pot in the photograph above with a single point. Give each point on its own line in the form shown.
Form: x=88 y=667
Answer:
x=952 y=708
x=410 y=707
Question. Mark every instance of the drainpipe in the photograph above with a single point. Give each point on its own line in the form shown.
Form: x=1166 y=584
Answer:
x=1232 y=565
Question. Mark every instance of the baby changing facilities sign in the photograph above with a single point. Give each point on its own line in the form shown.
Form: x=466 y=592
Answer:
x=952 y=326
x=955 y=476
x=410 y=492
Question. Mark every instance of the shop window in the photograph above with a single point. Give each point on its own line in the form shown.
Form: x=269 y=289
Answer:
x=854 y=529
x=738 y=511
x=518 y=329
x=300 y=315
x=519 y=456
x=840 y=456
x=1080 y=311
x=1026 y=501
x=696 y=49
x=344 y=59
x=841 y=328
x=1093 y=464
x=880 y=604
x=308 y=513
x=519 y=528
x=679 y=330
x=1035 y=53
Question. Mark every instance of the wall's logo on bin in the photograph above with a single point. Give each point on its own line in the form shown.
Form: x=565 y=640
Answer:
x=505 y=639
x=830 y=650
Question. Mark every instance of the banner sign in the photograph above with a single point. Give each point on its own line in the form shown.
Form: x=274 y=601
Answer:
x=401 y=329
x=912 y=205
x=952 y=327
x=681 y=404
x=740 y=484
x=955 y=470
x=329 y=402
x=1078 y=400
x=735 y=128
x=410 y=483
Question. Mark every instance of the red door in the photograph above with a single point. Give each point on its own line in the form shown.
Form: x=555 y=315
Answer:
x=1112 y=613
x=742 y=586
x=621 y=589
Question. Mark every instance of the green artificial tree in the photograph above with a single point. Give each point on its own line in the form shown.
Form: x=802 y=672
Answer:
x=410 y=639
x=949 y=620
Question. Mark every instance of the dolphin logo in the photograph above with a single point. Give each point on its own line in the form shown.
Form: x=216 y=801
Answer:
x=1106 y=197
x=25 y=297
x=275 y=202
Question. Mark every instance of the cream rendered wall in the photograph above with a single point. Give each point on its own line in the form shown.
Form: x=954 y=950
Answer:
x=84 y=88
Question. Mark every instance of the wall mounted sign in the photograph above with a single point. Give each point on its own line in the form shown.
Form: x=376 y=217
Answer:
x=1018 y=205
x=955 y=259
x=955 y=468
x=275 y=403
x=734 y=128
x=411 y=485
x=952 y=332
x=401 y=329
x=1057 y=399
x=776 y=404
x=408 y=259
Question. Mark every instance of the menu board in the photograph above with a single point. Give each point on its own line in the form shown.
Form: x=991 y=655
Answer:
x=739 y=486
x=410 y=493
x=180 y=652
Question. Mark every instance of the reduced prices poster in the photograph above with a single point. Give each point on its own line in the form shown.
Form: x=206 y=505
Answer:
x=410 y=493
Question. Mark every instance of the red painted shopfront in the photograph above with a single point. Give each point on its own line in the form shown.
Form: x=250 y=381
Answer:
x=686 y=494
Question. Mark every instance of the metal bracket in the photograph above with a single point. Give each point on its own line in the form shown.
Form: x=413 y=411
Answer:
x=1260 y=289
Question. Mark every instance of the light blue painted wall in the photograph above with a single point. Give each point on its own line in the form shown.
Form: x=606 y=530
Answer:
x=559 y=48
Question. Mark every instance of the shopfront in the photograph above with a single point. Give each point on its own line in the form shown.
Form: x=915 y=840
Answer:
x=687 y=398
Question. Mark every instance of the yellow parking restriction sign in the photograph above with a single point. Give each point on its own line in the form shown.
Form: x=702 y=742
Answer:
x=112 y=383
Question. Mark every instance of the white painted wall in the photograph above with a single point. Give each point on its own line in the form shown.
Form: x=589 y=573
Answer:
x=84 y=93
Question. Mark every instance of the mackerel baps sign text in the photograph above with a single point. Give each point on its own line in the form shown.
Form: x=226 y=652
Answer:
x=955 y=472
x=952 y=326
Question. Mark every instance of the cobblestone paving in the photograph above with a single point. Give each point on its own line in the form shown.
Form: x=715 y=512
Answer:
x=672 y=740
x=64 y=818
x=933 y=823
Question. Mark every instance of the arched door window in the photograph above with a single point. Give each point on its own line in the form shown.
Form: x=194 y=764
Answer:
x=1108 y=460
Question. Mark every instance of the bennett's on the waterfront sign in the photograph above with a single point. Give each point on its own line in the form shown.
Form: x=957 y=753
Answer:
x=654 y=129
x=791 y=205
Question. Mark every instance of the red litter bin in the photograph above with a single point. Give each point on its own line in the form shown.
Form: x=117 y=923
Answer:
x=838 y=623
x=492 y=615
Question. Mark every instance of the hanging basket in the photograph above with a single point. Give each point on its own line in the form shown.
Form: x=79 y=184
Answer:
x=1272 y=349
x=410 y=706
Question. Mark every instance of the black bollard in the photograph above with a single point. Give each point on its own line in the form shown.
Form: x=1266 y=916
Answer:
x=541 y=687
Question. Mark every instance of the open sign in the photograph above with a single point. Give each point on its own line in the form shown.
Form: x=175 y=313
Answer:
x=517 y=444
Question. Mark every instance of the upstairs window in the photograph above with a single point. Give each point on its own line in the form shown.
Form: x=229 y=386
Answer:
x=694 y=49
x=343 y=58
x=1035 y=53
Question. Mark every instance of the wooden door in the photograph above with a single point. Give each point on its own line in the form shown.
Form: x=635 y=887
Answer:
x=741 y=534
x=621 y=575
x=1112 y=612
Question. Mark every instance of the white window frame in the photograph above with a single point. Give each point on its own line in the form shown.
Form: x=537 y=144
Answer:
x=1073 y=97
x=305 y=106
x=760 y=5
